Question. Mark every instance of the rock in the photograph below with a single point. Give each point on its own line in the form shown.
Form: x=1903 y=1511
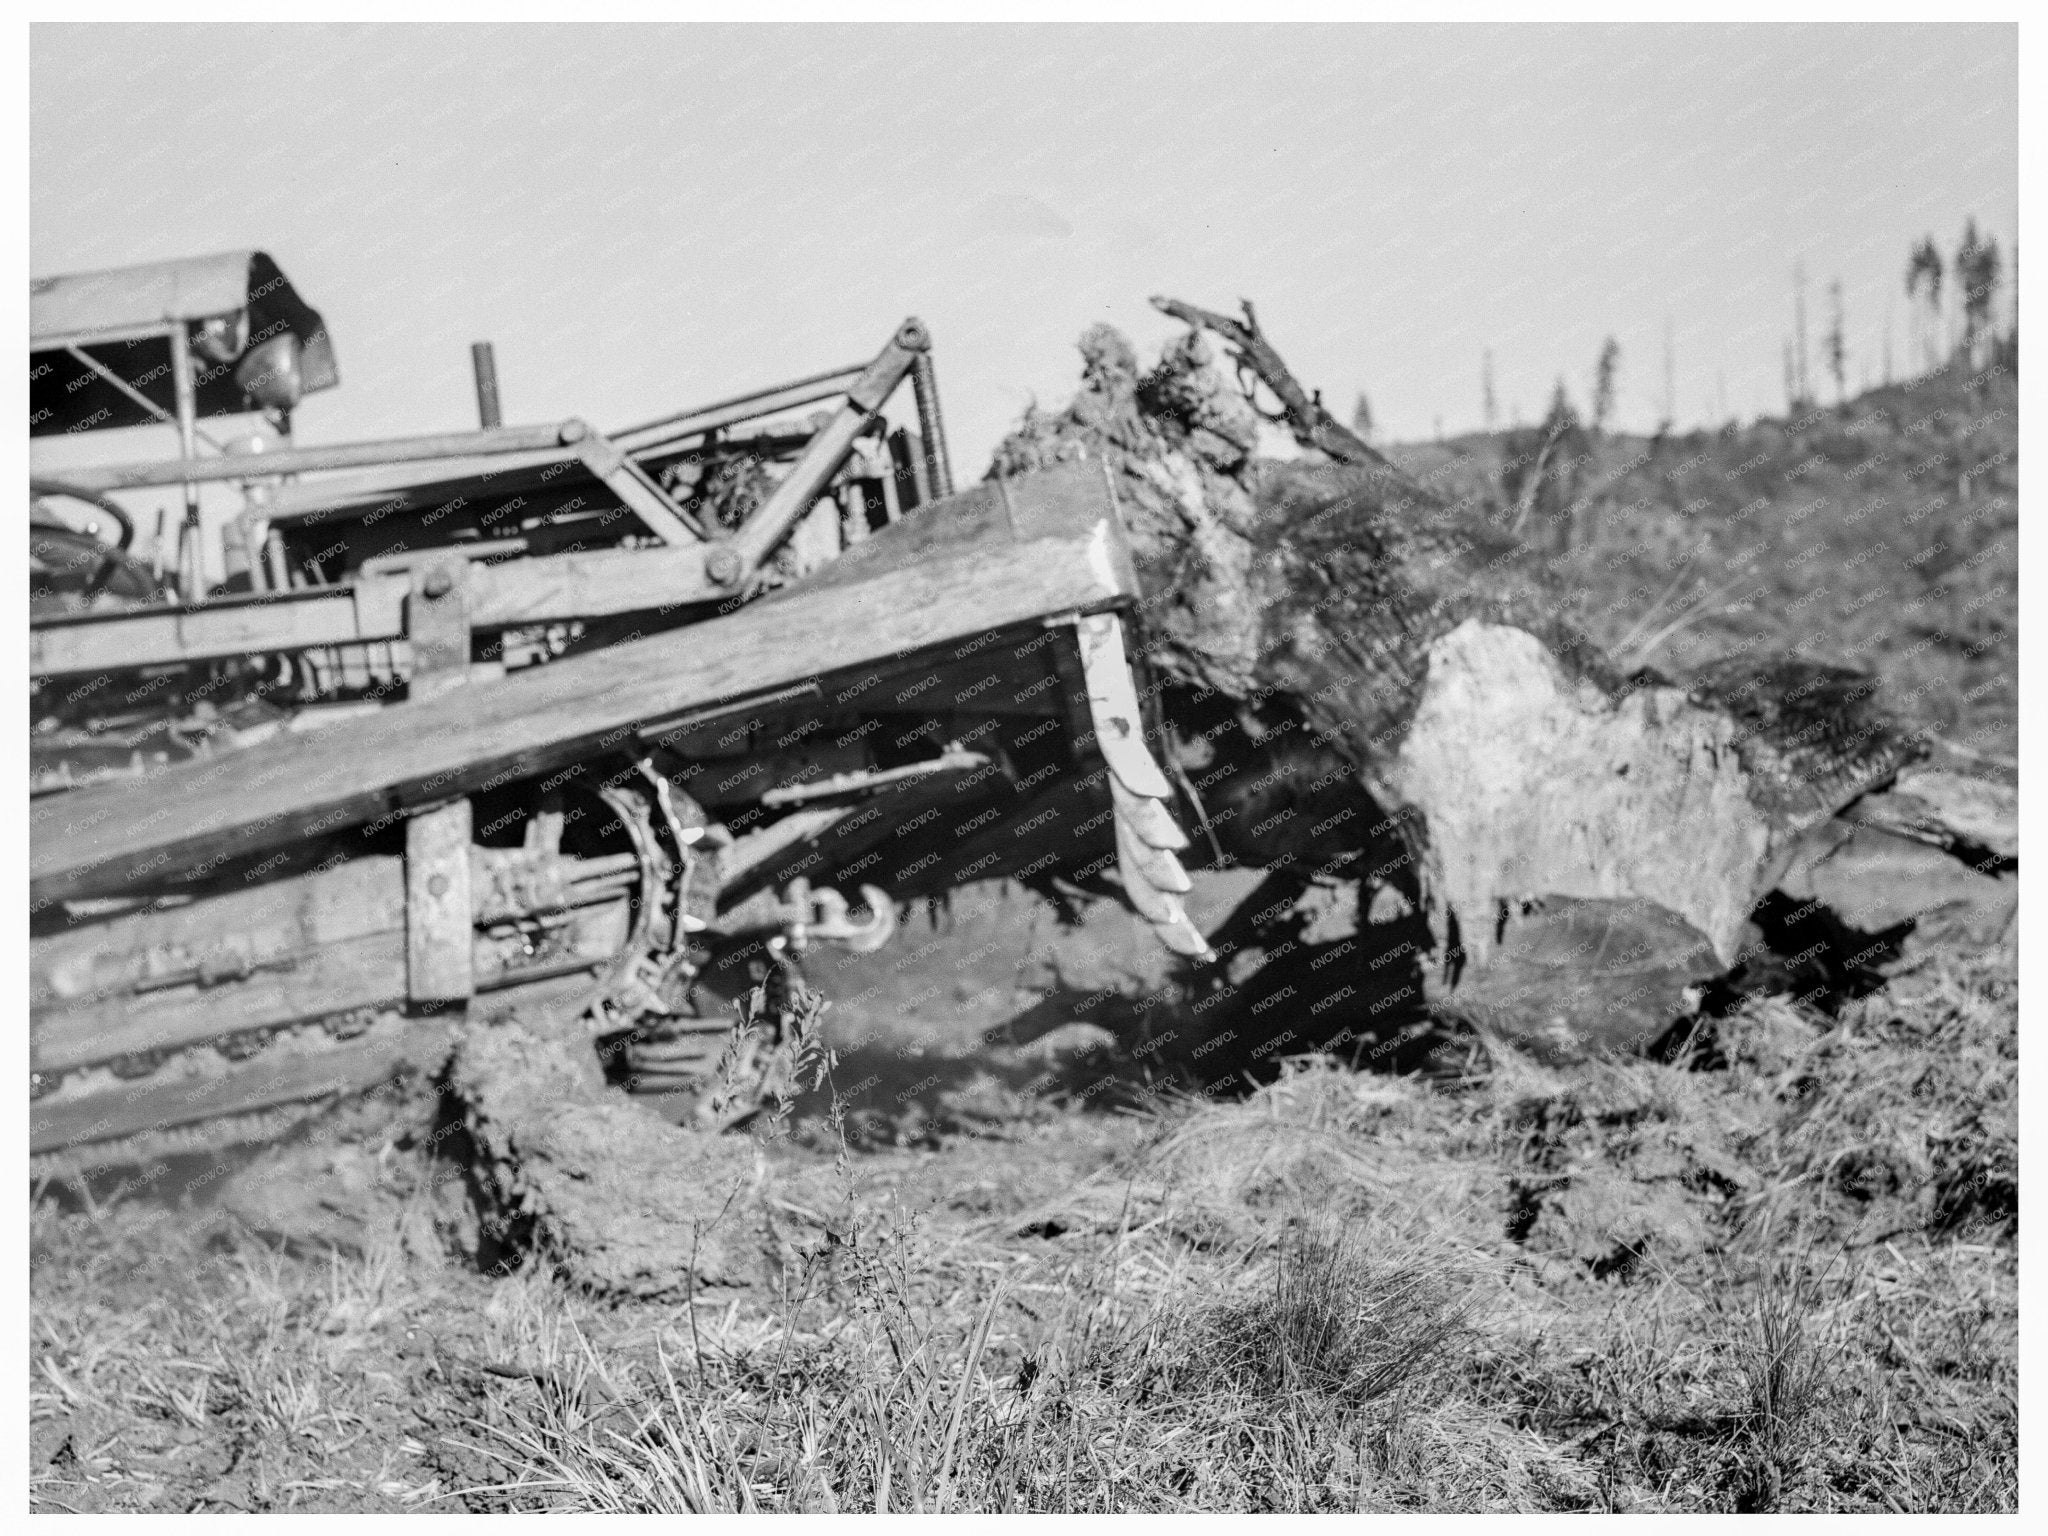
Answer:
x=1950 y=810
x=1074 y=1039
x=615 y=1199
x=1876 y=881
x=1569 y=978
x=1388 y=906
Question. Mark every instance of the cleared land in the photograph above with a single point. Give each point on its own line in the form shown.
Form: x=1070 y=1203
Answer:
x=1777 y=1270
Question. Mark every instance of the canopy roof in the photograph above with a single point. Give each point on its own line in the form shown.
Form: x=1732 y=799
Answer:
x=123 y=319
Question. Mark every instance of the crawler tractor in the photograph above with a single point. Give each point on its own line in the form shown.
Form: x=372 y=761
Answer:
x=430 y=731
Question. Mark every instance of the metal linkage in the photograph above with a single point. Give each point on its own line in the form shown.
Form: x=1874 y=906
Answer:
x=730 y=563
x=437 y=623
x=438 y=924
x=484 y=360
x=931 y=425
x=304 y=461
x=632 y=485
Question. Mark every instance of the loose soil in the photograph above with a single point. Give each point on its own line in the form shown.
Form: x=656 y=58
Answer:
x=1773 y=1266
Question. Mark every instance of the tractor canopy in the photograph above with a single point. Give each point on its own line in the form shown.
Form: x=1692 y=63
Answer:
x=102 y=343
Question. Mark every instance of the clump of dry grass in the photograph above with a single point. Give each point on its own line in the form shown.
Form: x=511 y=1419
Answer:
x=1333 y=1322
x=1787 y=1371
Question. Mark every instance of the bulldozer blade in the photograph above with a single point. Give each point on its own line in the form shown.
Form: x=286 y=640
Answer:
x=1145 y=830
x=1003 y=555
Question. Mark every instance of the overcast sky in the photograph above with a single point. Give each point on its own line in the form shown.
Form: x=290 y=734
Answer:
x=642 y=218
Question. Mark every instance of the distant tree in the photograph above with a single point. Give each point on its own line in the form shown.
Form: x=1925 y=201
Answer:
x=1604 y=374
x=1834 y=347
x=1488 y=403
x=1924 y=271
x=1543 y=468
x=1802 y=379
x=1976 y=270
x=1670 y=412
x=1361 y=417
x=2007 y=351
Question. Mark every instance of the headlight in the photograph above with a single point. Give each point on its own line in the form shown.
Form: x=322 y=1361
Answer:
x=221 y=339
x=269 y=375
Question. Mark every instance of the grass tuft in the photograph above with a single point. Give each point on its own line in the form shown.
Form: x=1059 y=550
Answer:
x=1331 y=1322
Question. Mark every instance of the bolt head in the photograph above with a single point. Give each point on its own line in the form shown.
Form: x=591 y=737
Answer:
x=437 y=885
x=723 y=566
x=439 y=583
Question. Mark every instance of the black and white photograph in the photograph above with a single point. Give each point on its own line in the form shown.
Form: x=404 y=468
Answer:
x=1083 y=763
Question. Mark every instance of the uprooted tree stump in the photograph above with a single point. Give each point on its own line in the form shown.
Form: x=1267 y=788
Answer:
x=616 y=1200
x=1359 y=678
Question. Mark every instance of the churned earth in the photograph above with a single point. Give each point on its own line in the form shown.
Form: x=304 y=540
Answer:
x=1006 y=1254
x=1776 y=1271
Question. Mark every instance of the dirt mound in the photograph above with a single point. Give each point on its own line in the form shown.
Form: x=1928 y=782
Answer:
x=1623 y=1164
x=1906 y=1113
x=615 y=1199
x=350 y=1197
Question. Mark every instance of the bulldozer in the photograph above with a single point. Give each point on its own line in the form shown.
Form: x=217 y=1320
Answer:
x=412 y=735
